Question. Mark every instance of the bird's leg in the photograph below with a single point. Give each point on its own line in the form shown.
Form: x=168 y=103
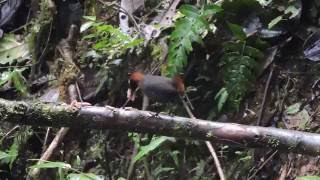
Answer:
x=145 y=102
x=78 y=105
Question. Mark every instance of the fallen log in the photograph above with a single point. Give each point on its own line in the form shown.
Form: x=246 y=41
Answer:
x=129 y=119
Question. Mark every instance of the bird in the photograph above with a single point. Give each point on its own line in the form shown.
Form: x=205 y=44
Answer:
x=157 y=88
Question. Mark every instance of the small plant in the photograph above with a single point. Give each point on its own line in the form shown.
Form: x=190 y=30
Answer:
x=9 y=156
x=65 y=171
x=192 y=27
x=239 y=67
x=108 y=40
x=12 y=53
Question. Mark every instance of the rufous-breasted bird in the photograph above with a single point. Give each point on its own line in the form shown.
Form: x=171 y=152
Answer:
x=157 y=88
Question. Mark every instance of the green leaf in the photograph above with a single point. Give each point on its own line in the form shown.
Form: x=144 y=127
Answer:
x=211 y=9
x=253 y=52
x=19 y=81
x=4 y=77
x=13 y=152
x=90 y=18
x=85 y=26
x=308 y=178
x=187 y=30
x=293 y=109
x=10 y=49
x=189 y=10
x=83 y=176
x=6 y=157
x=222 y=97
x=239 y=68
x=50 y=165
x=304 y=120
x=237 y=31
x=275 y=21
x=293 y=11
x=110 y=41
x=155 y=143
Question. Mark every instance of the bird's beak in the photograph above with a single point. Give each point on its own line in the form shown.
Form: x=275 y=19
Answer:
x=131 y=95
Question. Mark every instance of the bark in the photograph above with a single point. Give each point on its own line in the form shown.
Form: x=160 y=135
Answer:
x=129 y=119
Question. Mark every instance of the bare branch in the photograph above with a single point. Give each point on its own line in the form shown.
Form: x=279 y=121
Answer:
x=62 y=115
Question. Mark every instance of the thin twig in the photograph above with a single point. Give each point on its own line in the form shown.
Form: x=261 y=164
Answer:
x=263 y=164
x=208 y=143
x=48 y=153
x=44 y=146
x=9 y=132
x=265 y=94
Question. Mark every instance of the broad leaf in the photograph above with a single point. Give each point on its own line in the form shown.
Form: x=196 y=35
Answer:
x=19 y=81
x=155 y=143
x=50 y=165
x=237 y=31
x=222 y=97
x=189 y=11
x=308 y=178
x=211 y=9
x=10 y=49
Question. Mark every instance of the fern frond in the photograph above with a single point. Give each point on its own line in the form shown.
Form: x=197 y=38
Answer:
x=188 y=29
x=110 y=41
x=239 y=66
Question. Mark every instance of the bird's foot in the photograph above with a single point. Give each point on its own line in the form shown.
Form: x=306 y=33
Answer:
x=77 y=105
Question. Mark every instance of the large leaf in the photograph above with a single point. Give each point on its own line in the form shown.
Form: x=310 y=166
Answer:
x=189 y=11
x=237 y=31
x=10 y=49
x=19 y=81
x=211 y=9
x=50 y=165
x=221 y=97
x=155 y=143
x=308 y=178
x=187 y=30
x=4 y=77
x=6 y=156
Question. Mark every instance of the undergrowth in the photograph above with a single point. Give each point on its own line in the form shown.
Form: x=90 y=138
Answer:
x=239 y=67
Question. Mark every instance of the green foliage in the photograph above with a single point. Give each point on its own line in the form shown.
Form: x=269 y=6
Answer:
x=308 y=178
x=108 y=40
x=221 y=97
x=11 y=52
x=10 y=155
x=11 y=49
x=237 y=31
x=61 y=166
x=290 y=10
x=239 y=66
x=188 y=29
x=293 y=109
x=50 y=164
x=145 y=150
x=16 y=77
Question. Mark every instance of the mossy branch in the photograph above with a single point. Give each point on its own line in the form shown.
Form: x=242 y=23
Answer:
x=62 y=115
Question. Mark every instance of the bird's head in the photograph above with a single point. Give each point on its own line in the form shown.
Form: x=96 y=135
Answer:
x=134 y=80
